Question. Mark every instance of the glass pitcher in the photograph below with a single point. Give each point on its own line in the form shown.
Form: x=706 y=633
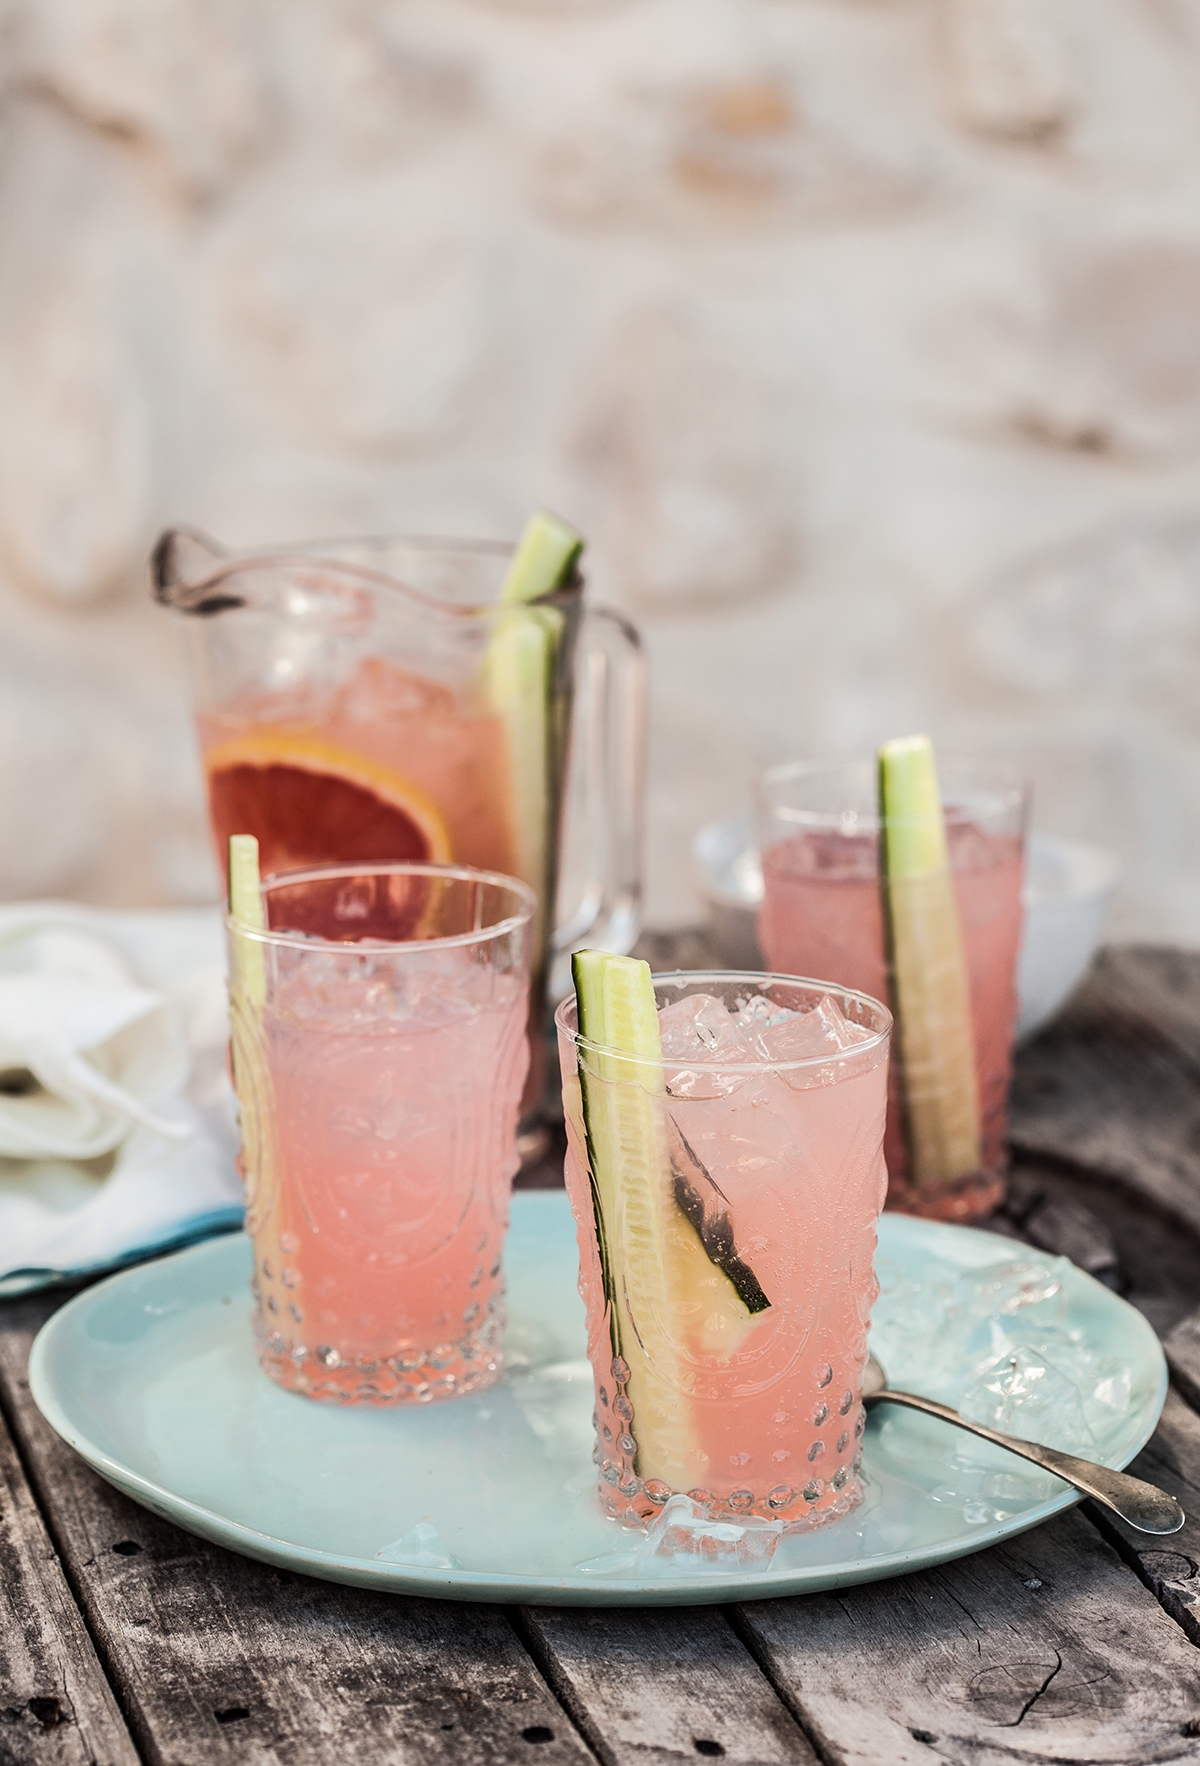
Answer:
x=370 y=700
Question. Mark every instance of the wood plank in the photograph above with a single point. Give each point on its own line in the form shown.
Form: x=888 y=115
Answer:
x=1114 y=1084
x=1168 y=1567
x=1042 y=1649
x=663 y=1686
x=55 y=1703
x=1159 y=984
x=1182 y=1346
x=218 y=1658
x=1157 y=1260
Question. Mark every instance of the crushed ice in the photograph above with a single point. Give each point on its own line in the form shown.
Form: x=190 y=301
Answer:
x=684 y=1540
x=422 y=1548
x=996 y=1343
x=699 y=1032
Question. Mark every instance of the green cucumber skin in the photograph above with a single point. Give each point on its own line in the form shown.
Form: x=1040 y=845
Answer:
x=889 y=951
x=585 y=980
x=545 y=559
x=714 y=1228
x=716 y=1238
x=716 y=1233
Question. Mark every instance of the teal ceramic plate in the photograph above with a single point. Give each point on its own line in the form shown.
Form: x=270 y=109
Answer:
x=152 y=1378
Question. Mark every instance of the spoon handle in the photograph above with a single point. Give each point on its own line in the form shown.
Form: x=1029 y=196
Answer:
x=1144 y=1506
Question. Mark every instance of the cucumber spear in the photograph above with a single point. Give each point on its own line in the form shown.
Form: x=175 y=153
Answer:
x=929 y=972
x=674 y=1281
x=248 y=1054
x=245 y=904
x=520 y=669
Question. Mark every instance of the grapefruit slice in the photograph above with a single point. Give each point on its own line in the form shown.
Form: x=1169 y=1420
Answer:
x=309 y=802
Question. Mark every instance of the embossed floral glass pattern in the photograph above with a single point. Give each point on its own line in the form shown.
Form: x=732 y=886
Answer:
x=772 y=1135
x=379 y=1066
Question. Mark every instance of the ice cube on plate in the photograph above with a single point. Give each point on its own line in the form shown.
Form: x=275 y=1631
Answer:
x=1014 y=1286
x=422 y=1548
x=684 y=1538
x=1026 y=1395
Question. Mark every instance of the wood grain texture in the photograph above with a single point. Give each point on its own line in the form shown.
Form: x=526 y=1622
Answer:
x=1169 y=1567
x=1114 y=1084
x=1051 y=1648
x=55 y=1703
x=1160 y=984
x=1042 y=1649
x=217 y=1658
x=1182 y=1346
x=660 y=1687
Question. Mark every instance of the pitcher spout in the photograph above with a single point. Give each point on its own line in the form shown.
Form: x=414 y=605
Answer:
x=188 y=572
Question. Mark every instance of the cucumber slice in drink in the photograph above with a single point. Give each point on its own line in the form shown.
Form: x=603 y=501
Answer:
x=521 y=662
x=672 y=1296
x=520 y=668
x=544 y=559
x=245 y=904
x=929 y=972
x=247 y=1044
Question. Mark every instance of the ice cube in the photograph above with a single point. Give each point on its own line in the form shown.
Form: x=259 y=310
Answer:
x=379 y=691
x=684 y=1538
x=1026 y=1395
x=422 y=1548
x=1003 y=1351
x=699 y=1031
x=699 y=1028
x=804 y=1036
x=609 y=1563
x=1012 y=1287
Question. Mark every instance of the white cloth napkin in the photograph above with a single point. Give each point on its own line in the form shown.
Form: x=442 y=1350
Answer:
x=117 y=1128
x=83 y=1048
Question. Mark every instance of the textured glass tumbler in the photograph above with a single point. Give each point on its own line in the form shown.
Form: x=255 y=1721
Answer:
x=726 y=1201
x=824 y=912
x=379 y=1051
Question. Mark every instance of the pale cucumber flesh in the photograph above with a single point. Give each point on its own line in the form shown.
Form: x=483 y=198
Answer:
x=520 y=672
x=248 y=1056
x=245 y=904
x=662 y=1279
x=544 y=558
x=931 y=994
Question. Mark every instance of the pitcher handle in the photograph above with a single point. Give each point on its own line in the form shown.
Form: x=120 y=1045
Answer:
x=609 y=787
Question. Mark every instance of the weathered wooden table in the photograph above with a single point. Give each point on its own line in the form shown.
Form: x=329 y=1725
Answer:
x=125 y=1639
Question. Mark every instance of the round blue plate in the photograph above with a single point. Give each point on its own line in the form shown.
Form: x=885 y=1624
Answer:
x=151 y=1376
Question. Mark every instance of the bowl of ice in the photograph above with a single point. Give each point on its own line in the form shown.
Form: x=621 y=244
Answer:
x=1068 y=886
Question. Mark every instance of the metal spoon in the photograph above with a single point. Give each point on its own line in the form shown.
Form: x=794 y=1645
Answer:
x=1144 y=1506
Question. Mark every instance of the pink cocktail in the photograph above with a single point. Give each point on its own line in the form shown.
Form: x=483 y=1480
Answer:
x=823 y=913
x=369 y=701
x=739 y=1379
x=387 y=764
x=379 y=1065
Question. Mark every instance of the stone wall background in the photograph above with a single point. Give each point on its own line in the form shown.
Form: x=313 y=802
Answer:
x=863 y=337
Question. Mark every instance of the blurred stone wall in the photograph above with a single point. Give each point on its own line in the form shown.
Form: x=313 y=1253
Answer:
x=862 y=336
